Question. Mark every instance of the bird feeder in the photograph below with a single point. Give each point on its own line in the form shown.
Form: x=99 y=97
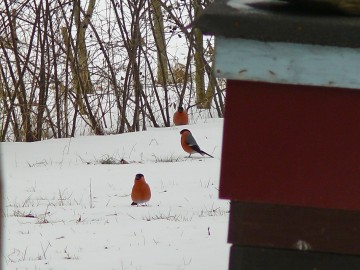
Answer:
x=291 y=142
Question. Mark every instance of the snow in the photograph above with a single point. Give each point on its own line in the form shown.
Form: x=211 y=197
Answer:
x=64 y=209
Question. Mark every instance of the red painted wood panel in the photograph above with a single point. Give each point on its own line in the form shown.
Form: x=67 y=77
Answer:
x=289 y=144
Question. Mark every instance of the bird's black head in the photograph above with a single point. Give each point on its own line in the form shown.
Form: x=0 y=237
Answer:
x=180 y=109
x=138 y=176
x=181 y=132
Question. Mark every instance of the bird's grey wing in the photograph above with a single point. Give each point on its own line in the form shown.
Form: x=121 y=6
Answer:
x=190 y=140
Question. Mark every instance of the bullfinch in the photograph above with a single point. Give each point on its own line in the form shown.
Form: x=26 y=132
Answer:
x=189 y=144
x=141 y=192
x=181 y=117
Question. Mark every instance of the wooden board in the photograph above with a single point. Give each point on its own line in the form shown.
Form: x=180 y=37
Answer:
x=292 y=145
x=279 y=21
x=296 y=228
x=290 y=63
x=249 y=258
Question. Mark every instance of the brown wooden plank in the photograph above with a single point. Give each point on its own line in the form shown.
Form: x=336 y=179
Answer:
x=279 y=22
x=291 y=144
x=250 y=258
x=297 y=228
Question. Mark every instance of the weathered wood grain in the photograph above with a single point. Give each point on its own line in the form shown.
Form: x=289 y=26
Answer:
x=250 y=258
x=289 y=63
x=296 y=228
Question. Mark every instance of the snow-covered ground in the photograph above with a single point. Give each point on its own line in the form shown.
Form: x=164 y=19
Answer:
x=65 y=209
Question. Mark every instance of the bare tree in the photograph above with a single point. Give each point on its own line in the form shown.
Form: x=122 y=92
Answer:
x=17 y=68
x=94 y=67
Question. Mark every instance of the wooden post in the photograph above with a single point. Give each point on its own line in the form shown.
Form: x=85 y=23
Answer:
x=291 y=144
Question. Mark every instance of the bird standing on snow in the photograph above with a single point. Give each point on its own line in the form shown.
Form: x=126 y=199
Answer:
x=181 y=117
x=189 y=144
x=141 y=192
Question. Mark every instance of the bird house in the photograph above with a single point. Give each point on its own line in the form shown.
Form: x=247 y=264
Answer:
x=291 y=144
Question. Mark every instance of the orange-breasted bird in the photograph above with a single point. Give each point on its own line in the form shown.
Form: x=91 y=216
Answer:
x=189 y=144
x=141 y=192
x=181 y=117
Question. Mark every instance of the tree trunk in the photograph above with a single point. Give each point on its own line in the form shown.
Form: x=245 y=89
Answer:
x=19 y=81
x=159 y=35
x=81 y=52
x=43 y=82
x=79 y=63
x=199 y=63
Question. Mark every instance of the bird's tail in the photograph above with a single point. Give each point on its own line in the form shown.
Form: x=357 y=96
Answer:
x=202 y=152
